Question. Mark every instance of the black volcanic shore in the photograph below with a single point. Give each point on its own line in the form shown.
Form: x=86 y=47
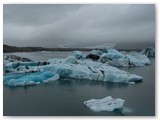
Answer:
x=10 y=49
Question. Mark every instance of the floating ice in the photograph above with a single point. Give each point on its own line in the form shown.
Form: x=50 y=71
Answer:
x=105 y=104
x=97 y=72
x=72 y=67
x=150 y=52
x=14 y=58
x=114 y=54
x=30 y=79
x=21 y=67
x=132 y=83
x=118 y=59
x=94 y=54
x=78 y=55
x=70 y=59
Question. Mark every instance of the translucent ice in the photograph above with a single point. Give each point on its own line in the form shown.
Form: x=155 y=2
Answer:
x=30 y=79
x=79 y=55
x=104 y=104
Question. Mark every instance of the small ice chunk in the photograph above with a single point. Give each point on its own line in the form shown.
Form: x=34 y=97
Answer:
x=78 y=55
x=70 y=59
x=94 y=54
x=132 y=83
x=104 y=104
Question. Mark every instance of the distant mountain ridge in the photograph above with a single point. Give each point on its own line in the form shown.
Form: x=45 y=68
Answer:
x=8 y=49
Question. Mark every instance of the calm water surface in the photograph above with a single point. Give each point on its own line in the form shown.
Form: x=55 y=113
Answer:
x=65 y=97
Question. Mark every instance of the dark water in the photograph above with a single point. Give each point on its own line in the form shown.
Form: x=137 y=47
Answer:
x=66 y=97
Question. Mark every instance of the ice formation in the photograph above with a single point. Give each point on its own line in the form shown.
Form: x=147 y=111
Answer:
x=91 y=71
x=105 y=104
x=70 y=59
x=150 y=52
x=119 y=59
x=21 y=67
x=14 y=58
x=30 y=79
x=79 y=55
x=94 y=54
x=77 y=67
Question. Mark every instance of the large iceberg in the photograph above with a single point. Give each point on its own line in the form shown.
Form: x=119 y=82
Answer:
x=79 y=69
x=30 y=79
x=74 y=67
x=119 y=59
x=105 y=104
x=92 y=71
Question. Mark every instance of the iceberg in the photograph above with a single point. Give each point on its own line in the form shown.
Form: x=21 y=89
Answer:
x=105 y=104
x=14 y=58
x=70 y=59
x=118 y=59
x=23 y=66
x=94 y=54
x=93 y=71
x=114 y=54
x=30 y=79
x=74 y=68
x=149 y=52
x=79 y=55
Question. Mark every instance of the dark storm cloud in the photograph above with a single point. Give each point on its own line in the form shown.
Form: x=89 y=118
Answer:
x=77 y=25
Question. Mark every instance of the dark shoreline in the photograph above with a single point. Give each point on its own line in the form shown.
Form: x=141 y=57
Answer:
x=11 y=49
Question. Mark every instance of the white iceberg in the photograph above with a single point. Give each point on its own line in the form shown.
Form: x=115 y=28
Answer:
x=30 y=79
x=105 y=104
x=74 y=68
x=92 y=71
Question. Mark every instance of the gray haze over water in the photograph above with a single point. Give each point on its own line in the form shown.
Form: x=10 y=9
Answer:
x=79 y=25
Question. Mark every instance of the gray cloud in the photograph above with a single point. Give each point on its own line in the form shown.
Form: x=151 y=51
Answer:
x=78 y=25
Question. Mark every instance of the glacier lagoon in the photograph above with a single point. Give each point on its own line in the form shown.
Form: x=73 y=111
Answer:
x=67 y=93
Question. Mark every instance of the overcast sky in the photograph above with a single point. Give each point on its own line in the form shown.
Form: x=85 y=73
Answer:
x=77 y=25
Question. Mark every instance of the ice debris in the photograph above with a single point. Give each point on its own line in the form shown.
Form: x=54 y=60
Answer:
x=105 y=104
